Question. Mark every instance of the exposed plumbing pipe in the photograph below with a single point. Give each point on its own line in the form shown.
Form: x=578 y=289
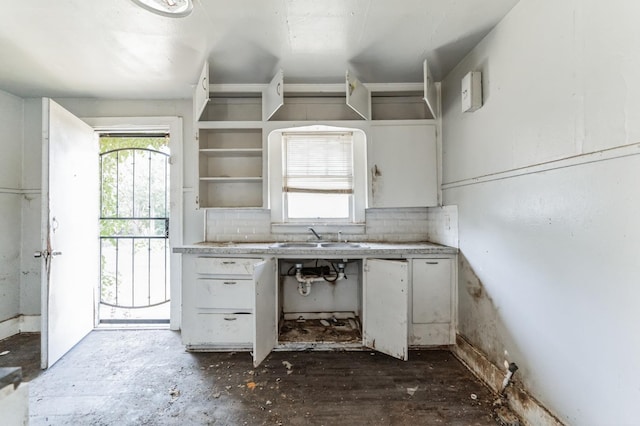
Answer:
x=304 y=282
x=507 y=378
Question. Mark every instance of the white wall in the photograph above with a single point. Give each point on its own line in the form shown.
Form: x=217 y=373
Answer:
x=193 y=221
x=10 y=195
x=31 y=208
x=550 y=254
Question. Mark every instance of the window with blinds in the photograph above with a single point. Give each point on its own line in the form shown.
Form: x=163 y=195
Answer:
x=318 y=175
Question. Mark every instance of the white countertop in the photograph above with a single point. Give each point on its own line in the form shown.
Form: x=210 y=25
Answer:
x=365 y=249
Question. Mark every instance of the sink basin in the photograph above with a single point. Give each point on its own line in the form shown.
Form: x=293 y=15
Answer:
x=340 y=245
x=334 y=245
x=295 y=245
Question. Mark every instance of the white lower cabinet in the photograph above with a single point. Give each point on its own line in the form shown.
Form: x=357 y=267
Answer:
x=233 y=304
x=433 y=302
x=225 y=300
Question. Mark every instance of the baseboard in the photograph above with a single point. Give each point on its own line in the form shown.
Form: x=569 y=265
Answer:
x=520 y=401
x=30 y=324
x=19 y=324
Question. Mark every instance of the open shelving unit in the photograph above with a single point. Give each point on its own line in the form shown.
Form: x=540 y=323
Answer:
x=231 y=121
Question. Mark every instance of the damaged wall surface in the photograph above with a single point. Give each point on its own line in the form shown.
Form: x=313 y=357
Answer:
x=545 y=178
x=11 y=117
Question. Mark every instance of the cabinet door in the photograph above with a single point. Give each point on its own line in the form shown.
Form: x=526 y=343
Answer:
x=402 y=165
x=430 y=91
x=431 y=291
x=273 y=97
x=358 y=96
x=386 y=288
x=201 y=93
x=265 y=312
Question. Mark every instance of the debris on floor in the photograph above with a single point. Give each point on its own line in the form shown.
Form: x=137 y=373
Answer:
x=4 y=353
x=288 y=366
x=328 y=388
x=411 y=391
x=174 y=392
x=503 y=414
x=251 y=385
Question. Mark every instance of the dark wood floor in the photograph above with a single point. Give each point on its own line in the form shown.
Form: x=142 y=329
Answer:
x=145 y=377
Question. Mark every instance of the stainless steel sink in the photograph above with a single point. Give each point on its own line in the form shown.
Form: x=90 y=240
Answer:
x=295 y=245
x=340 y=245
x=327 y=245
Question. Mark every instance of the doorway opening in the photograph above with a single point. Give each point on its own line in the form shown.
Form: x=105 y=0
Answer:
x=134 y=230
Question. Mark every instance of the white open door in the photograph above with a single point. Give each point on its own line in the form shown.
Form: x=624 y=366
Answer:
x=201 y=92
x=265 y=313
x=70 y=212
x=273 y=96
x=358 y=96
x=385 y=310
x=430 y=91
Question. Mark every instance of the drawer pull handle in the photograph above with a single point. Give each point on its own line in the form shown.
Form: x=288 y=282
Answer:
x=230 y=282
x=432 y=263
x=230 y=318
x=228 y=263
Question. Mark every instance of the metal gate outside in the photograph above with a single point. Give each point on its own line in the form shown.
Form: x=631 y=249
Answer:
x=134 y=232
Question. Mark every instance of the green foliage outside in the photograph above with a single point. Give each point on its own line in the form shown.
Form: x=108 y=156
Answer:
x=133 y=184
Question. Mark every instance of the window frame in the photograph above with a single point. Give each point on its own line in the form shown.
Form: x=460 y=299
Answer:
x=276 y=194
x=286 y=194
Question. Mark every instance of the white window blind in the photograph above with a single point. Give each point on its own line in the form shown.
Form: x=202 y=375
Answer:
x=318 y=163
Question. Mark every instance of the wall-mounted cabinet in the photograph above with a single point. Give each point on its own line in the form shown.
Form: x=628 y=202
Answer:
x=402 y=165
x=230 y=166
x=403 y=105
x=230 y=146
x=231 y=121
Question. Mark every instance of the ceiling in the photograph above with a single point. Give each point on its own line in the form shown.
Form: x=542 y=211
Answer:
x=115 y=49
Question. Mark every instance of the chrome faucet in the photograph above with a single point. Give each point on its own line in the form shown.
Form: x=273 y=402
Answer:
x=315 y=233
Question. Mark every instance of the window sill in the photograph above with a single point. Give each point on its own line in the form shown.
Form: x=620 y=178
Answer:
x=320 y=228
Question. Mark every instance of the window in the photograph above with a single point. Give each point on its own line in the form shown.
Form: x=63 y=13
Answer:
x=317 y=176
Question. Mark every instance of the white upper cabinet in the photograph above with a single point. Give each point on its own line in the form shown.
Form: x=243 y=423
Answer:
x=358 y=96
x=201 y=93
x=402 y=165
x=273 y=96
x=430 y=90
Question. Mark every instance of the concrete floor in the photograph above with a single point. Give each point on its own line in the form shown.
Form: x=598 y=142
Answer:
x=145 y=377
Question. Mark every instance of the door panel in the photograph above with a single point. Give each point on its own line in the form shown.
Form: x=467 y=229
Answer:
x=70 y=211
x=398 y=154
x=274 y=95
x=386 y=290
x=430 y=91
x=431 y=291
x=201 y=95
x=265 y=314
x=358 y=97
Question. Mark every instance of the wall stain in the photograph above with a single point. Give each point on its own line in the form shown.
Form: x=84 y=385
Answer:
x=473 y=285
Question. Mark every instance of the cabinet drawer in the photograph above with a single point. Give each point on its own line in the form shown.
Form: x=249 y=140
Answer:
x=225 y=266
x=216 y=328
x=235 y=294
